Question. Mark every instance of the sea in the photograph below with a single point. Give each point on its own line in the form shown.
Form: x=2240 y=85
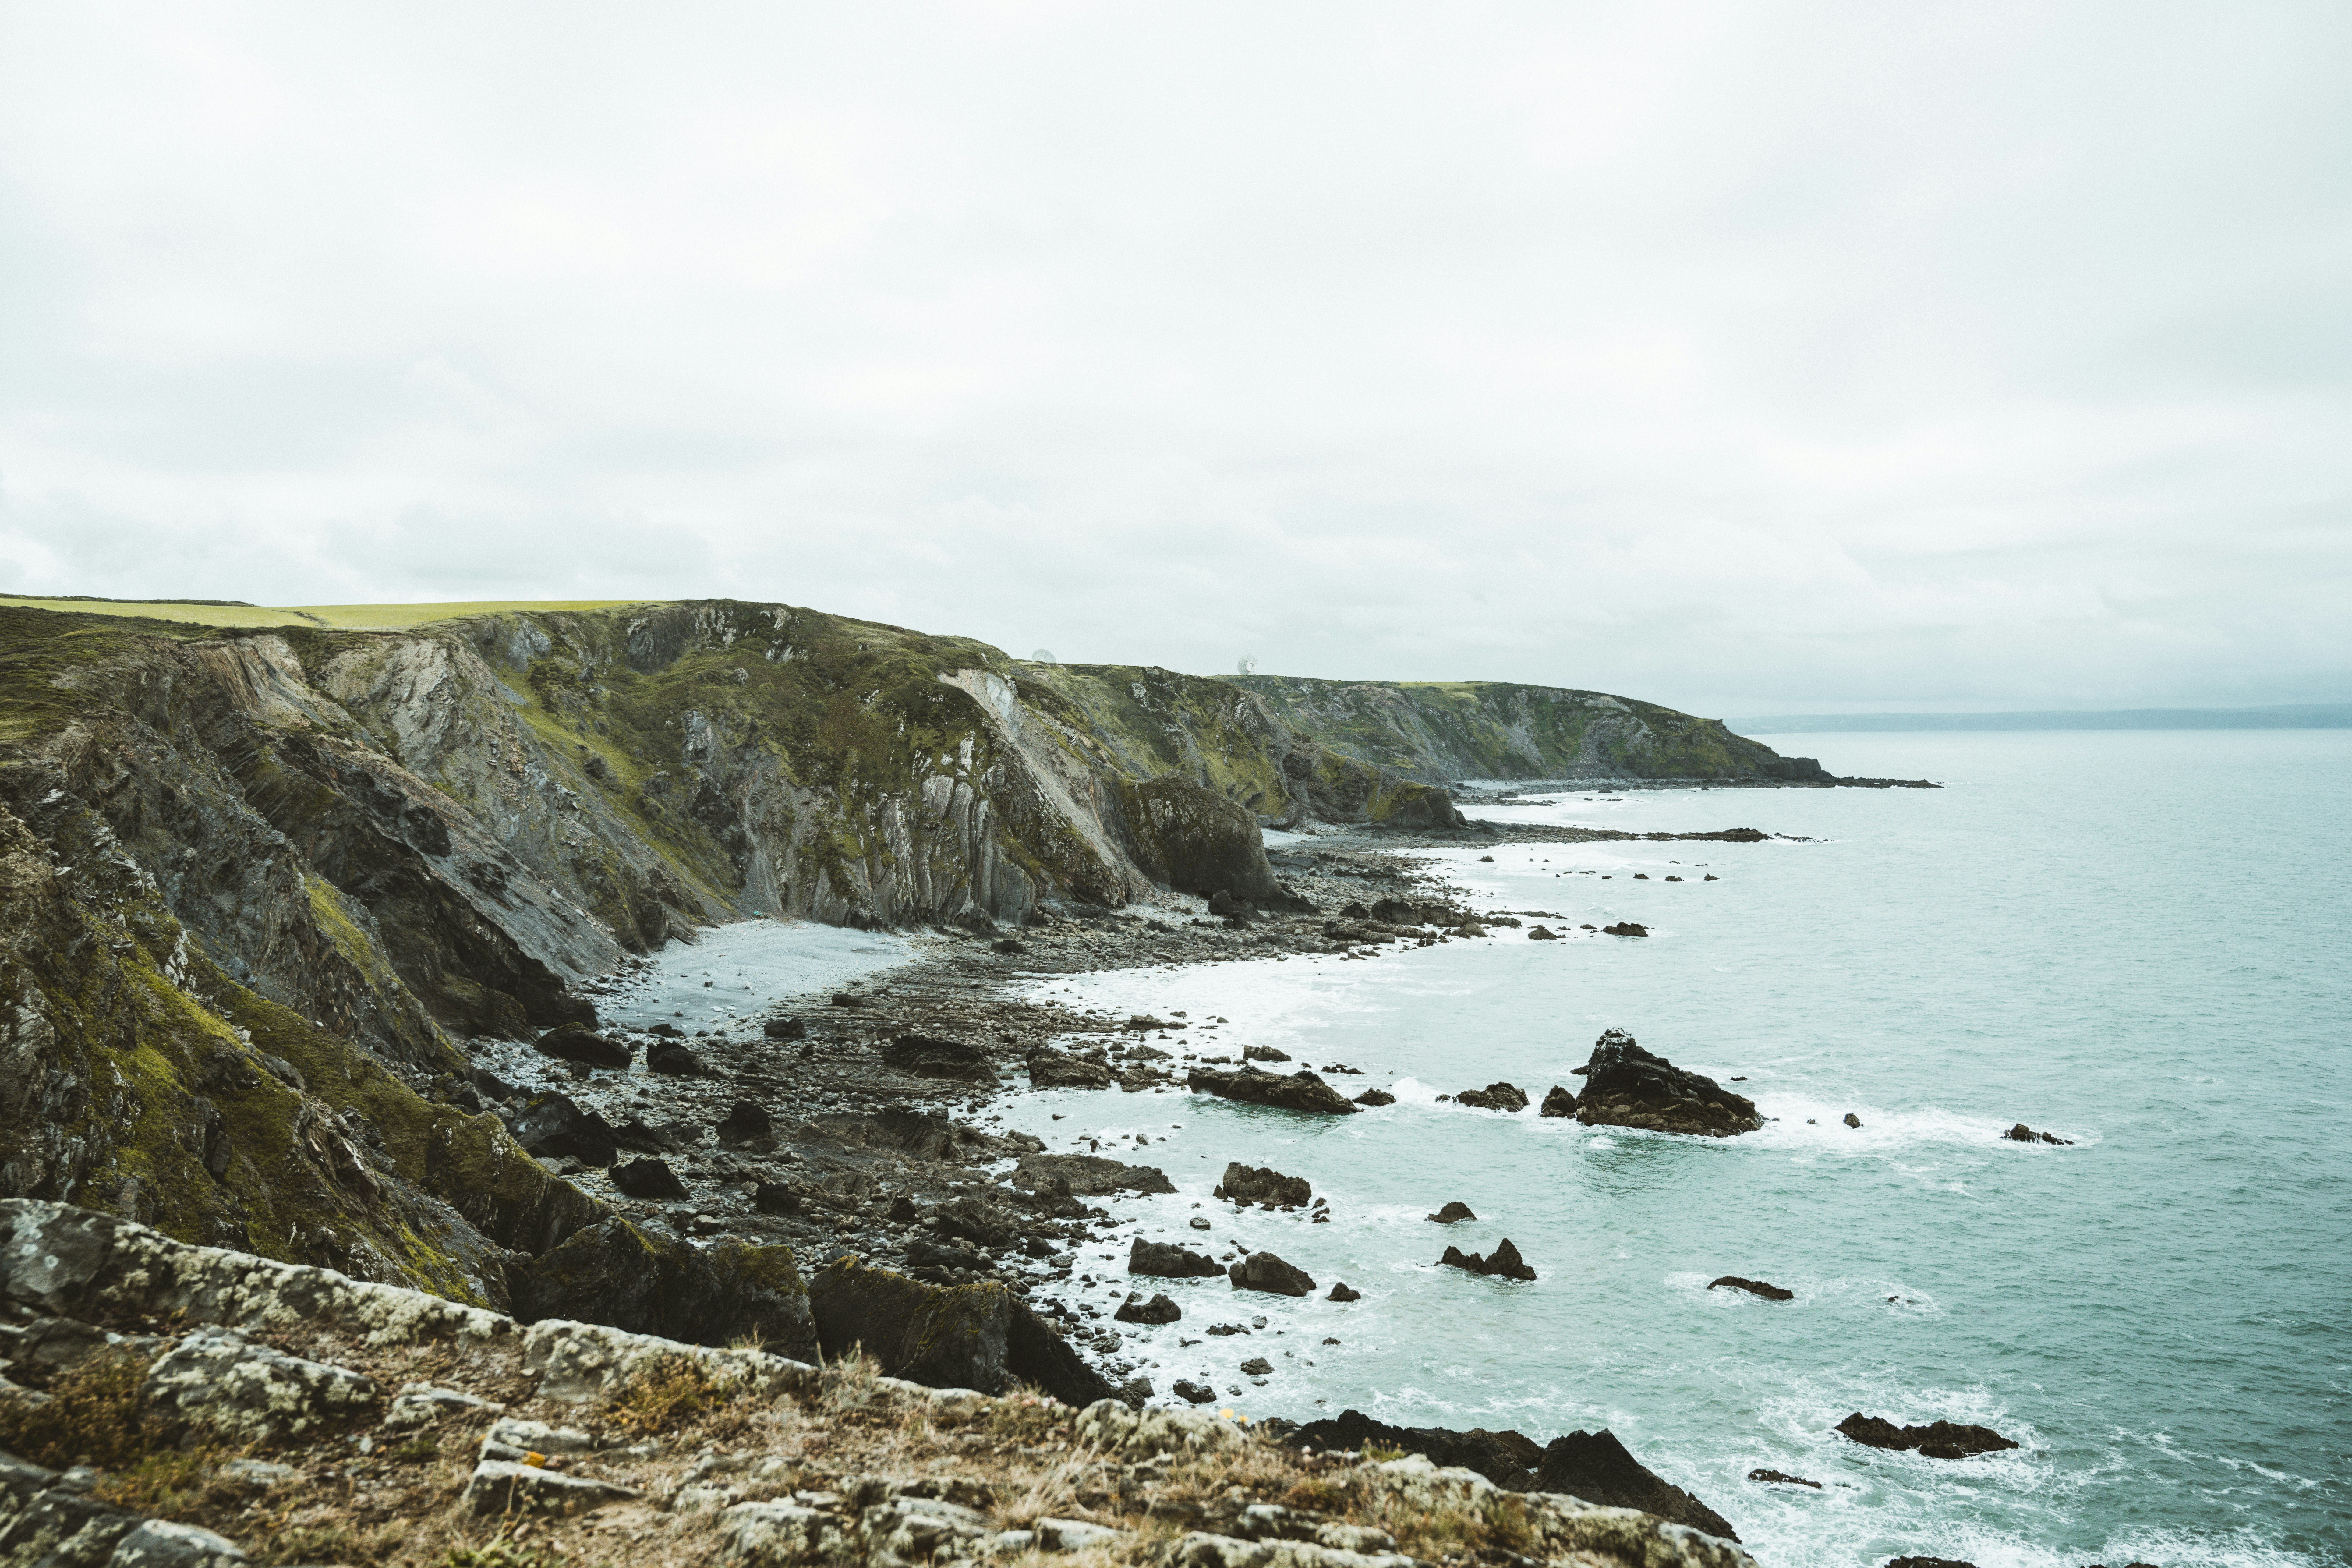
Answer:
x=2138 y=941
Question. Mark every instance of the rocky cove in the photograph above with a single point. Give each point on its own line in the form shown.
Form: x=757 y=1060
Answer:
x=324 y=948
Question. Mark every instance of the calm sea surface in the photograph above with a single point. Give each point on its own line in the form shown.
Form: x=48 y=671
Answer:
x=2142 y=942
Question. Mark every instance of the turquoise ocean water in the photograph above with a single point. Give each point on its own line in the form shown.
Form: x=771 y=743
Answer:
x=2139 y=940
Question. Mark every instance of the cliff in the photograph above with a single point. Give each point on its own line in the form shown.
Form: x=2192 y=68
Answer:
x=1441 y=732
x=258 y=881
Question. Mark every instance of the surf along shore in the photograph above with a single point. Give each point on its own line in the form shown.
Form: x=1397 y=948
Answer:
x=865 y=1117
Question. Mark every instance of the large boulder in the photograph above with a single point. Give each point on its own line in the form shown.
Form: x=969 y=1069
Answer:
x=552 y=1126
x=1301 y=1090
x=1167 y=1260
x=1265 y=1271
x=1935 y=1440
x=964 y=1336
x=1625 y=1086
x=1197 y=841
x=1086 y=1175
x=1159 y=1310
x=1261 y=1184
x=612 y=1273
x=650 y=1179
x=246 y=1393
x=1594 y=1466
x=579 y=1043
x=1494 y=1097
x=1559 y=1102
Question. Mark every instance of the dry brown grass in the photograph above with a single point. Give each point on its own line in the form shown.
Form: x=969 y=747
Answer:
x=673 y=1392
x=94 y=1415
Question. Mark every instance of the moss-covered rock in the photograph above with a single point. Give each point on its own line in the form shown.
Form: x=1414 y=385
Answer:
x=965 y=1336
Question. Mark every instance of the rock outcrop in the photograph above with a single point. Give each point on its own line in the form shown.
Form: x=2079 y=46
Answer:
x=1626 y=1086
x=1935 y=1440
x=969 y=1336
x=1265 y=1271
x=1301 y=1090
x=1504 y=1262
x=1557 y=1101
x=1167 y=1260
x=1261 y=1184
x=1494 y=1097
x=1595 y=1466
x=1753 y=1287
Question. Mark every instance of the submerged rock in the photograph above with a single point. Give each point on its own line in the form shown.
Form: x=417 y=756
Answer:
x=1503 y=1262
x=1753 y=1287
x=1167 y=1260
x=1937 y=1440
x=1262 y=1184
x=1265 y=1271
x=1301 y=1090
x=1494 y=1097
x=1626 y=1086
x=1777 y=1478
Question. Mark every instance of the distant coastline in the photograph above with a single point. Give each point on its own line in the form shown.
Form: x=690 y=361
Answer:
x=2291 y=716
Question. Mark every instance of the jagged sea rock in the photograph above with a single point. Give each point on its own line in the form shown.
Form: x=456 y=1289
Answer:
x=1159 y=1310
x=1341 y=1292
x=1494 y=1097
x=1265 y=1271
x=1935 y=1440
x=1625 y=1086
x=1301 y=1090
x=1453 y=1213
x=966 y=1336
x=1504 y=1262
x=1167 y=1260
x=1779 y=1478
x=1375 y=1097
x=1557 y=1101
x=2021 y=1133
x=1263 y=1185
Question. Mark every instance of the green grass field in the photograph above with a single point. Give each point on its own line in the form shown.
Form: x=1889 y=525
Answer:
x=345 y=617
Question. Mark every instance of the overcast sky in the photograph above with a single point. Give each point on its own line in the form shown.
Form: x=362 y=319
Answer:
x=1750 y=358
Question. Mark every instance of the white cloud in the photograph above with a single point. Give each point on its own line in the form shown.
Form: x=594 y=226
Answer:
x=1739 y=356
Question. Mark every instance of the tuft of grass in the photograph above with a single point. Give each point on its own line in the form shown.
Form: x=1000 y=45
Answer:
x=95 y=1415
x=501 y=1552
x=671 y=1392
x=170 y=1482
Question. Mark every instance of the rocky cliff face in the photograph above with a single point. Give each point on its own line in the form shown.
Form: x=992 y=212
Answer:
x=256 y=882
x=1437 y=732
